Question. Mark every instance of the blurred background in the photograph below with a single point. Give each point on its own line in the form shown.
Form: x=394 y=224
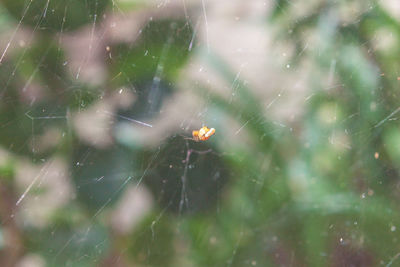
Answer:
x=99 y=98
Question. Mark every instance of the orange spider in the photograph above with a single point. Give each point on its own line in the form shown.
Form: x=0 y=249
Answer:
x=203 y=134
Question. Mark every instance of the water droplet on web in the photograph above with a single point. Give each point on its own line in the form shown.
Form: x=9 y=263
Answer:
x=370 y=192
x=393 y=228
x=213 y=240
x=287 y=66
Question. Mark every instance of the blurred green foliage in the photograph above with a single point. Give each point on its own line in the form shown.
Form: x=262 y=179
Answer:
x=56 y=15
x=322 y=192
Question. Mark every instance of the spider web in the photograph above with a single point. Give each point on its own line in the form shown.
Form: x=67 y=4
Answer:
x=99 y=101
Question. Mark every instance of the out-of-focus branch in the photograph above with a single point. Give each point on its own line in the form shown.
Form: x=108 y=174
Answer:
x=13 y=243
